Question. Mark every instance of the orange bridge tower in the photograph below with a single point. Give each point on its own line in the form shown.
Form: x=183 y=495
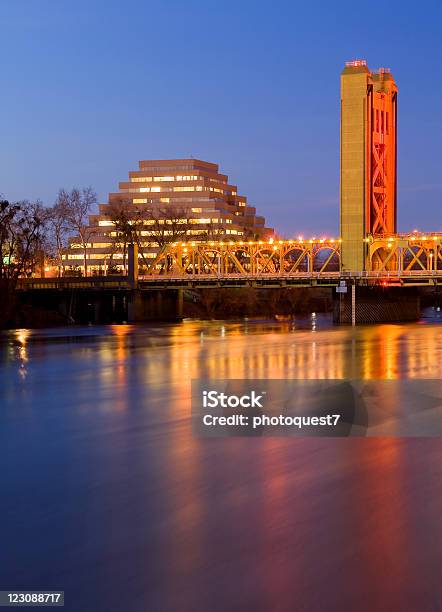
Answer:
x=368 y=159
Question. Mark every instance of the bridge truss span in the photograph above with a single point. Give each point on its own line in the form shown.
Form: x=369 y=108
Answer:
x=253 y=258
x=405 y=254
x=391 y=259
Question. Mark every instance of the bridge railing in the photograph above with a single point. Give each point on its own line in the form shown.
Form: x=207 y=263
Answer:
x=185 y=279
x=73 y=282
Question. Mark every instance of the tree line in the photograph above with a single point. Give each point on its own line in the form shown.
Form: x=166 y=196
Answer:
x=32 y=235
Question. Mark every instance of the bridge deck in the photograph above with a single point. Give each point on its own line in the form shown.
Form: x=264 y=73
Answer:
x=298 y=279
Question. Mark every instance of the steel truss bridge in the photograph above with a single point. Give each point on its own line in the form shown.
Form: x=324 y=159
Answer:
x=399 y=259
x=392 y=260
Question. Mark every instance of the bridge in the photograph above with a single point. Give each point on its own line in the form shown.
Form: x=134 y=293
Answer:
x=397 y=260
x=370 y=253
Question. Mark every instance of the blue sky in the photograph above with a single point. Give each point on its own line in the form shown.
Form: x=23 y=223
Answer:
x=89 y=88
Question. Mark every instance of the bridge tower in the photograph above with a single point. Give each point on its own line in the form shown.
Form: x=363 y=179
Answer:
x=368 y=159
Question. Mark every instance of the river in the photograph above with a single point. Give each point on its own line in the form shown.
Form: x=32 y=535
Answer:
x=106 y=494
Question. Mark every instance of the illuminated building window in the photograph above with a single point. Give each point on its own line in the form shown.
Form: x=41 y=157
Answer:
x=184 y=188
x=208 y=187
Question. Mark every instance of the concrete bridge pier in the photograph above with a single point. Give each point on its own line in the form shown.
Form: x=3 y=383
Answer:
x=155 y=305
x=375 y=304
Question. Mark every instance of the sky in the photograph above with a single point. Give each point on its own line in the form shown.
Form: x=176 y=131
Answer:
x=88 y=88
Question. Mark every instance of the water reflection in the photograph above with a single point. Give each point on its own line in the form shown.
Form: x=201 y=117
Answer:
x=154 y=518
x=20 y=351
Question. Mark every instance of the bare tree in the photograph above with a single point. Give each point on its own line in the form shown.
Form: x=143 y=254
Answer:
x=22 y=238
x=59 y=227
x=157 y=226
x=160 y=226
x=166 y=225
x=124 y=217
x=8 y=213
x=249 y=233
x=77 y=205
x=138 y=225
x=210 y=232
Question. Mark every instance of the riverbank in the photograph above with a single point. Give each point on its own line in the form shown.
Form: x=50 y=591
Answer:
x=39 y=309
